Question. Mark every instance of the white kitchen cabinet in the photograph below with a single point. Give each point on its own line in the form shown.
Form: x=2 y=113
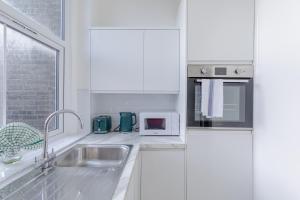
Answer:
x=161 y=61
x=134 y=188
x=219 y=165
x=220 y=30
x=117 y=60
x=163 y=175
x=135 y=61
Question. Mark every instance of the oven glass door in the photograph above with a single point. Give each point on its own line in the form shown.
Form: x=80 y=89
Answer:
x=237 y=110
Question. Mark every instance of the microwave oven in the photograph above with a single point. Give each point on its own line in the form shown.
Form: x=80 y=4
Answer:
x=159 y=123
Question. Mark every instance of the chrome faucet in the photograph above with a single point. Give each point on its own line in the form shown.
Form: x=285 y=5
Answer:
x=48 y=158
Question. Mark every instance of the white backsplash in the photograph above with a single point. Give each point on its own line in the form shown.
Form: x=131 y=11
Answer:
x=113 y=104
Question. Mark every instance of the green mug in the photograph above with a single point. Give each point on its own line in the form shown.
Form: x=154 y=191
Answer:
x=127 y=121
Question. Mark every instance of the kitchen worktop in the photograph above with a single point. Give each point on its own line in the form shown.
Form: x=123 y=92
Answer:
x=145 y=142
x=138 y=142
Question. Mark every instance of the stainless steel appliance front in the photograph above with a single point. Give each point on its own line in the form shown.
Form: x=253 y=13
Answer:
x=238 y=96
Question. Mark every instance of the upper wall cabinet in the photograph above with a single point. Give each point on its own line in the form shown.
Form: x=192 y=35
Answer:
x=220 y=30
x=135 y=61
x=161 y=60
x=116 y=60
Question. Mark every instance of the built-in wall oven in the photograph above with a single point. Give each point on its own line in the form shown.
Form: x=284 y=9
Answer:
x=237 y=92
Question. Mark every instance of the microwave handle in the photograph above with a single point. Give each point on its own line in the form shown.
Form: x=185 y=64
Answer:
x=228 y=81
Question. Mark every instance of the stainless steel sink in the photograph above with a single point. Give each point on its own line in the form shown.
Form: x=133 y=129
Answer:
x=85 y=172
x=94 y=156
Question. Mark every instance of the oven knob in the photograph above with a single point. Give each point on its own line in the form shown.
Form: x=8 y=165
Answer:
x=238 y=71
x=203 y=71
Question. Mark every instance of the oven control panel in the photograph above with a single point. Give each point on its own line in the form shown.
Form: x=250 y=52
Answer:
x=221 y=71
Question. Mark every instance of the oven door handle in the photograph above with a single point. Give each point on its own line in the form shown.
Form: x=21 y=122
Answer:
x=228 y=81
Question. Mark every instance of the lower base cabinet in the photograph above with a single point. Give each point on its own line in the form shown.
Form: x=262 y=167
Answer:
x=158 y=175
x=163 y=175
x=134 y=188
x=219 y=165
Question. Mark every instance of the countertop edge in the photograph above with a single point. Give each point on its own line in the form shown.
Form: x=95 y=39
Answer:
x=122 y=187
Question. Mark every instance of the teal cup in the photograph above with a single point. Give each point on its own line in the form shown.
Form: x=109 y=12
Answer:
x=127 y=121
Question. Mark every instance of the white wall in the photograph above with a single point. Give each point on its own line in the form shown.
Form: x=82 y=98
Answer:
x=80 y=23
x=277 y=101
x=181 y=101
x=133 y=13
x=77 y=96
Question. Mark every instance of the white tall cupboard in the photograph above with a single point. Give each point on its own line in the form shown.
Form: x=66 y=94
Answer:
x=220 y=31
x=219 y=165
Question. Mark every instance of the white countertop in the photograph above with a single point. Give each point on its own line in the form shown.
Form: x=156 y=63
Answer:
x=9 y=173
x=145 y=142
x=140 y=143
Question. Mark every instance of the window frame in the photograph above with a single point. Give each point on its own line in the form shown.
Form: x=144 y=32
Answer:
x=20 y=18
x=12 y=18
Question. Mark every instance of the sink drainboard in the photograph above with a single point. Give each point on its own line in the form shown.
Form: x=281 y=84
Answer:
x=80 y=179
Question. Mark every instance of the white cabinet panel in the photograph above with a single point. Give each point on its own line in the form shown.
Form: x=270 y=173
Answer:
x=163 y=175
x=134 y=188
x=220 y=30
x=219 y=166
x=117 y=60
x=161 y=60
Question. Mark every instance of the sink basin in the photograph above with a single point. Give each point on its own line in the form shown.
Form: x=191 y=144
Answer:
x=85 y=172
x=94 y=156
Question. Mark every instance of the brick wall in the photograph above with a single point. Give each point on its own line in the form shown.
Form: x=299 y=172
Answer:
x=1 y=90
x=31 y=80
x=46 y=12
x=1 y=74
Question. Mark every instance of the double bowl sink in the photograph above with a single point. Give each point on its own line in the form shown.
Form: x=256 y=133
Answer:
x=83 y=172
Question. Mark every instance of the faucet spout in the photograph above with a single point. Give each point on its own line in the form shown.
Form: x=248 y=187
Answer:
x=46 y=130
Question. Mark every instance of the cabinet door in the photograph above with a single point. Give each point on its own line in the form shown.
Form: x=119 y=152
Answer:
x=220 y=30
x=162 y=175
x=161 y=61
x=219 y=166
x=117 y=60
x=134 y=188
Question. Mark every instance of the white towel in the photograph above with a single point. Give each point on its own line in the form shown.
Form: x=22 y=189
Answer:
x=205 y=84
x=212 y=100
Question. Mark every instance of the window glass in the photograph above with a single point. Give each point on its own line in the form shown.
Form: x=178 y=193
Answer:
x=234 y=103
x=31 y=79
x=48 y=13
x=1 y=74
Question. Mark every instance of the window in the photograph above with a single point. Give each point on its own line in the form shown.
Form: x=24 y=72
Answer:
x=31 y=77
x=31 y=63
x=48 y=13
